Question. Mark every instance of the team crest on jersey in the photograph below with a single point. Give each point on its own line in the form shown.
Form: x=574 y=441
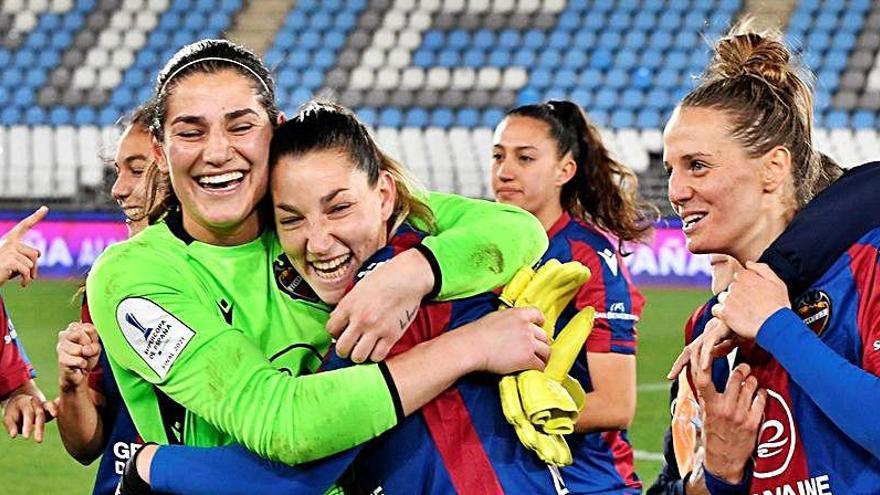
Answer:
x=290 y=281
x=814 y=308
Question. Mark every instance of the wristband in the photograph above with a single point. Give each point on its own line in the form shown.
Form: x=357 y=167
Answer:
x=718 y=486
x=131 y=482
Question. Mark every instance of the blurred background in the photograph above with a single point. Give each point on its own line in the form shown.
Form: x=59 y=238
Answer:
x=432 y=78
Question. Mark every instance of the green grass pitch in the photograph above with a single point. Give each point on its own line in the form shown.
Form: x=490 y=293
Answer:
x=44 y=309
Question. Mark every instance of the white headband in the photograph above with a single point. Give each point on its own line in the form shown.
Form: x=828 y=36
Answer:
x=217 y=59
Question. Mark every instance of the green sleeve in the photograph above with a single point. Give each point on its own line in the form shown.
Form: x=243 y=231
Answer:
x=479 y=245
x=156 y=327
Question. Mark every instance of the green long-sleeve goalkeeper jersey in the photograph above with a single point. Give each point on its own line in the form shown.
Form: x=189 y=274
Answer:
x=213 y=344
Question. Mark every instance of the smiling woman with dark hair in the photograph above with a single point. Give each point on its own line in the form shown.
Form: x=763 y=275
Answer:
x=197 y=317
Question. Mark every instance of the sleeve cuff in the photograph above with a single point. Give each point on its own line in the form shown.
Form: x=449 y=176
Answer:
x=435 y=269
x=392 y=388
x=774 y=329
x=717 y=486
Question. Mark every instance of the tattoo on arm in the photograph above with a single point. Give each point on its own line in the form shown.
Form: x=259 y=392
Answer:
x=408 y=318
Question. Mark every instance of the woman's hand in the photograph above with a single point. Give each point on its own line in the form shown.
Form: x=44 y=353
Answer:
x=373 y=316
x=508 y=341
x=27 y=411
x=16 y=257
x=78 y=352
x=755 y=294
x=730 y=421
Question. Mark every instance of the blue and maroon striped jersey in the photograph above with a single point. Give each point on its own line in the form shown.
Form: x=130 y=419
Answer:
x=602 y=460
x=121 y=437
x=15 y=368
x=819 y=362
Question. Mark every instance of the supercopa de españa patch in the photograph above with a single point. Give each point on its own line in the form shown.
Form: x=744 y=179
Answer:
x=155 y=334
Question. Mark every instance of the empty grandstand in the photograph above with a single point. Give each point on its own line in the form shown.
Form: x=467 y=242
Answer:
x=431 y=76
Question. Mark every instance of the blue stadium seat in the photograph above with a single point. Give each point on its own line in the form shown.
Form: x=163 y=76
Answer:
x=85 y=116
x=423 y=58
x=565 y=79
x=626 y=59
x=312 y=79
x=642 y=78
x=826 y=21
x=484 y=39
x=524 y=57
x=458 y=39
x=467 y=117
x=559 y=40
x=475 y=57
x=598 y=117
x=449 y=58
x=666 y=79
x=390 y=117
x=433 y=39
x=582 y=97
x=442 y=117
x=273 y=57
x=594 y=21
x=836 y=119
x=528 y=96
x=570 y=22
x=508 y=38
x=59 y=116
x=631 y=99
x=610 y=40
x=367 y=115
x=499 y=58
x=534 y=39
x=416 y=117
x=676 y=60
x=550 y=59
x=10 y=116
x=864 y=119
x=616 y=79
x=540 y=78
x=601 y=59
x=491 y=117
x=23 y=97
x=590 y=79
x=619 y=21
x=606 y=99
x=648 y=119
x=622 y=119
x=645 y=21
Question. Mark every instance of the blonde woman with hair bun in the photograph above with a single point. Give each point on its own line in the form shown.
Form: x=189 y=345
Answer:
x=743 y=175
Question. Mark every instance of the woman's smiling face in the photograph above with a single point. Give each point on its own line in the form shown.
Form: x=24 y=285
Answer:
x=329 y=219
x=215 y=149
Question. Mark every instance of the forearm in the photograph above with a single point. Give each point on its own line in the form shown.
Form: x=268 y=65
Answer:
x=80 y=424
x=29 y=388
x=831 y=382
x=480 y=245
x=299 y=428
x=233 y=469
x=611 y=405
x=426 y=370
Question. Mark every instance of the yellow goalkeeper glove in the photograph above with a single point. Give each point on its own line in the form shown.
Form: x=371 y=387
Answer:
x=550 y=289
x=542 y=406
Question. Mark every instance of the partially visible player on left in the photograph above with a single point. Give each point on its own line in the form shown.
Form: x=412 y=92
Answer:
x=93 y=420
x=25 y=408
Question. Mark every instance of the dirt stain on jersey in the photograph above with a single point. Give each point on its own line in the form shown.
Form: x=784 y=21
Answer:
x=490 y=257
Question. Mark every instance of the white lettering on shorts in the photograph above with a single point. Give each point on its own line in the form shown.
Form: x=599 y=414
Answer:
x=155 y=334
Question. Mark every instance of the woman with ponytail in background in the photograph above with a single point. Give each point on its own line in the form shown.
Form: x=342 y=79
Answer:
x=743 y=175
x=550 y=160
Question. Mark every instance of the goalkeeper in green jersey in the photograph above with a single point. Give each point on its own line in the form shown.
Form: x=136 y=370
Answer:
x=210 y=335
